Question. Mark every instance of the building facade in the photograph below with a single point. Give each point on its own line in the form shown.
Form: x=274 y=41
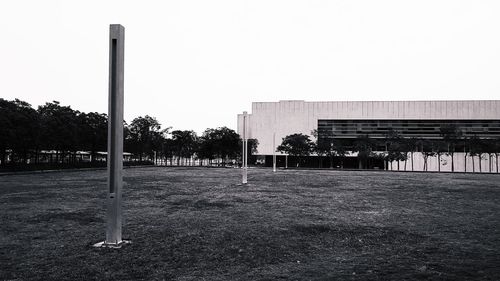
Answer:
x=350 y=119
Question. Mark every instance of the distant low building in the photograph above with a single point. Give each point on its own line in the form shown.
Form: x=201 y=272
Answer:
x=348 y=120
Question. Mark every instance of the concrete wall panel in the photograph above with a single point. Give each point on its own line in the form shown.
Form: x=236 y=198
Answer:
x=288 y=117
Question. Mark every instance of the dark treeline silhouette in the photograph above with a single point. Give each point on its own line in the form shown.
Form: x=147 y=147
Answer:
x=382 y=153
x=51 y=134
x=58 y=136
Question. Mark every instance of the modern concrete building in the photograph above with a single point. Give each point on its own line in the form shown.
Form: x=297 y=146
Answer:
x=350 y=119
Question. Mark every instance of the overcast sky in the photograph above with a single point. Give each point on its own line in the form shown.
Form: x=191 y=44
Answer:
x=196 y=64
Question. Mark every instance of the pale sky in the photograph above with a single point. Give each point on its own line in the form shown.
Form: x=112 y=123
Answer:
x=197 y=64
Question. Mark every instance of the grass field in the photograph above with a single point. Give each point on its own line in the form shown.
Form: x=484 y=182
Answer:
x=200 y=224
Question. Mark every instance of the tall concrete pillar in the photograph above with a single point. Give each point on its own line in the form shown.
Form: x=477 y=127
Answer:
x=115 y=134
x=245 y=149
x=115 y=138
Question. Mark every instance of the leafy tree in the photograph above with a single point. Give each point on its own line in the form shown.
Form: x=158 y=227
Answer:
x=7 y=128
x=451 y=135
x=492 y=148
x=296 y=145
x=141 y=137
x=428 y=150
x=206 y=145
x=19 y=129
x=408 y=146
x=252 y=146
x=226 y=144
x=93 y=132
x=330 y=147
x=27 y=130
x=168 y=149
x=496 y=150
x=340 y=149
x=396 y=148
x=185 y=144
x=476 y=147
x=59 y=128
x=157 y=141
x=322 y=147
x=411 y=144
x=440 y=148
x=381 y=156
x=364 y=145
x=222 y=143
x=465 y=143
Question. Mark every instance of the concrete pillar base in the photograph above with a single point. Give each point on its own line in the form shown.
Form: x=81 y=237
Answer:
x=103 y=244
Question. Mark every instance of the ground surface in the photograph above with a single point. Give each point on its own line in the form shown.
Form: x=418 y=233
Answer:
x=200 y=224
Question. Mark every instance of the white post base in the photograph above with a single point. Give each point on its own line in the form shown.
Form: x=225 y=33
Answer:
x=103 y=244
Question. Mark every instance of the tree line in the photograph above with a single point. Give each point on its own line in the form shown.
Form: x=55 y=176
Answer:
x=395 y=148
x=54 y=133
x=26 y=134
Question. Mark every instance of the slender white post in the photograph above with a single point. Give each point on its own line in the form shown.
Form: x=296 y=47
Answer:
x=244 y=158
x=286 y=161
x=115 y=139
x=115 y=135
x=274 y=152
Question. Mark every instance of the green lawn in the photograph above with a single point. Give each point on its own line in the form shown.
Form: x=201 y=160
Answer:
x=201 y=224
